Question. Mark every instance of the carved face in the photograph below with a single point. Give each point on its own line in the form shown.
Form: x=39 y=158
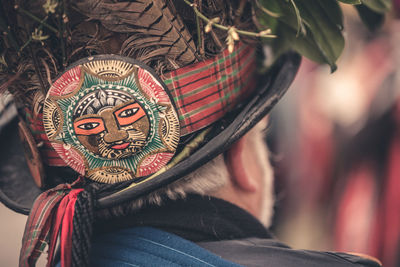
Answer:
x=108 y=130
x=111 y=120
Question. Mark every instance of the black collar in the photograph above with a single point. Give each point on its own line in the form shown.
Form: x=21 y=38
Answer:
x=194 y=218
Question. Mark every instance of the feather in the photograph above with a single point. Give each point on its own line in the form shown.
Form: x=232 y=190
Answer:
x=149 y=23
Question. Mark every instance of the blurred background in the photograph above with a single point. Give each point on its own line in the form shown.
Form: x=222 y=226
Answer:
x=11 y=231
x=336 y=148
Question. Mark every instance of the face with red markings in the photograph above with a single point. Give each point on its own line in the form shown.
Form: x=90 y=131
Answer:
x=111 y=124
x=111 y=119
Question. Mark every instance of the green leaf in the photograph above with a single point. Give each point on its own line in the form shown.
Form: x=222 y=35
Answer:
x=271 y=10
x=370 y=18
x=267 y=18
x=271 y=5
x=300 y=24
x=325 y=32
x=320 y=38
x=284 y=9
x=333 y=12
x=379 y=6
x=351 y=2
x=303 y=44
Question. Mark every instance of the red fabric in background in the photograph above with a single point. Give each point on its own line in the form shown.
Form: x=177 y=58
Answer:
x=396 y=7
x=356 y=211
x=345 y=173
x=391 y=207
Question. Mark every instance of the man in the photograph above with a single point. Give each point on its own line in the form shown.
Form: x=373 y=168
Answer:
x=225 y=207
x=113 y=141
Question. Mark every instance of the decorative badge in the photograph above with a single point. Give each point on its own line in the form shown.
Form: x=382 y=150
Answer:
x=110 y=119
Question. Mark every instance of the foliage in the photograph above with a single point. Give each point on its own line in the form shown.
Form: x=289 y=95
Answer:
x=314 y=28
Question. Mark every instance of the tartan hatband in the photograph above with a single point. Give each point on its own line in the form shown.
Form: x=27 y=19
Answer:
x=206 y=91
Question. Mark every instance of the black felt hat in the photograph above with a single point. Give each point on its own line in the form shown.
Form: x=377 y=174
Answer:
x=155 y=109
x=18 y=190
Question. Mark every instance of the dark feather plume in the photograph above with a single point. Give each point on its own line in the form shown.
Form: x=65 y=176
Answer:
x=161 y=33
x=152 y=26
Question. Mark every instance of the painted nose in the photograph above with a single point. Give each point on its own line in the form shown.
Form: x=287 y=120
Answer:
x=113 y=133
x=113 y=136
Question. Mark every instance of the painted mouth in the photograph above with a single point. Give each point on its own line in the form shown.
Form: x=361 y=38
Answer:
x=120 y=146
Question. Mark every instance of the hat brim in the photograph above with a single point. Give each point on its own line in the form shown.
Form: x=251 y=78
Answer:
x=18 y=191
x=17 y=187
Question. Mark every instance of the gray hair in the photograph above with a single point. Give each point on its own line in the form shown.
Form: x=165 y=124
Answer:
x=207 y=180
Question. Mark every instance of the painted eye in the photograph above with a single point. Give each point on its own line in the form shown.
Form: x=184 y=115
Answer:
x=89 y=125
x=128 y=112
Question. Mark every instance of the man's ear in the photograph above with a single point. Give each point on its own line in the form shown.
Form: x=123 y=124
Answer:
x=236 y=163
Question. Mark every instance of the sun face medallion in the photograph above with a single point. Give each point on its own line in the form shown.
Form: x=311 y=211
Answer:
x=111 y=119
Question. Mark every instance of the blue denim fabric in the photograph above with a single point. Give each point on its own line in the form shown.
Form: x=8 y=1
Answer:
x=145 y=246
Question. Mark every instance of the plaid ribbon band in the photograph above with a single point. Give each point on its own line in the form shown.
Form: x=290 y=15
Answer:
x=206 y=91
x=203 y=93
x=50 y=214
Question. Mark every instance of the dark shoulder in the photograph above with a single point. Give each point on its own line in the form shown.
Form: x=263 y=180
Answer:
x=269 y=252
